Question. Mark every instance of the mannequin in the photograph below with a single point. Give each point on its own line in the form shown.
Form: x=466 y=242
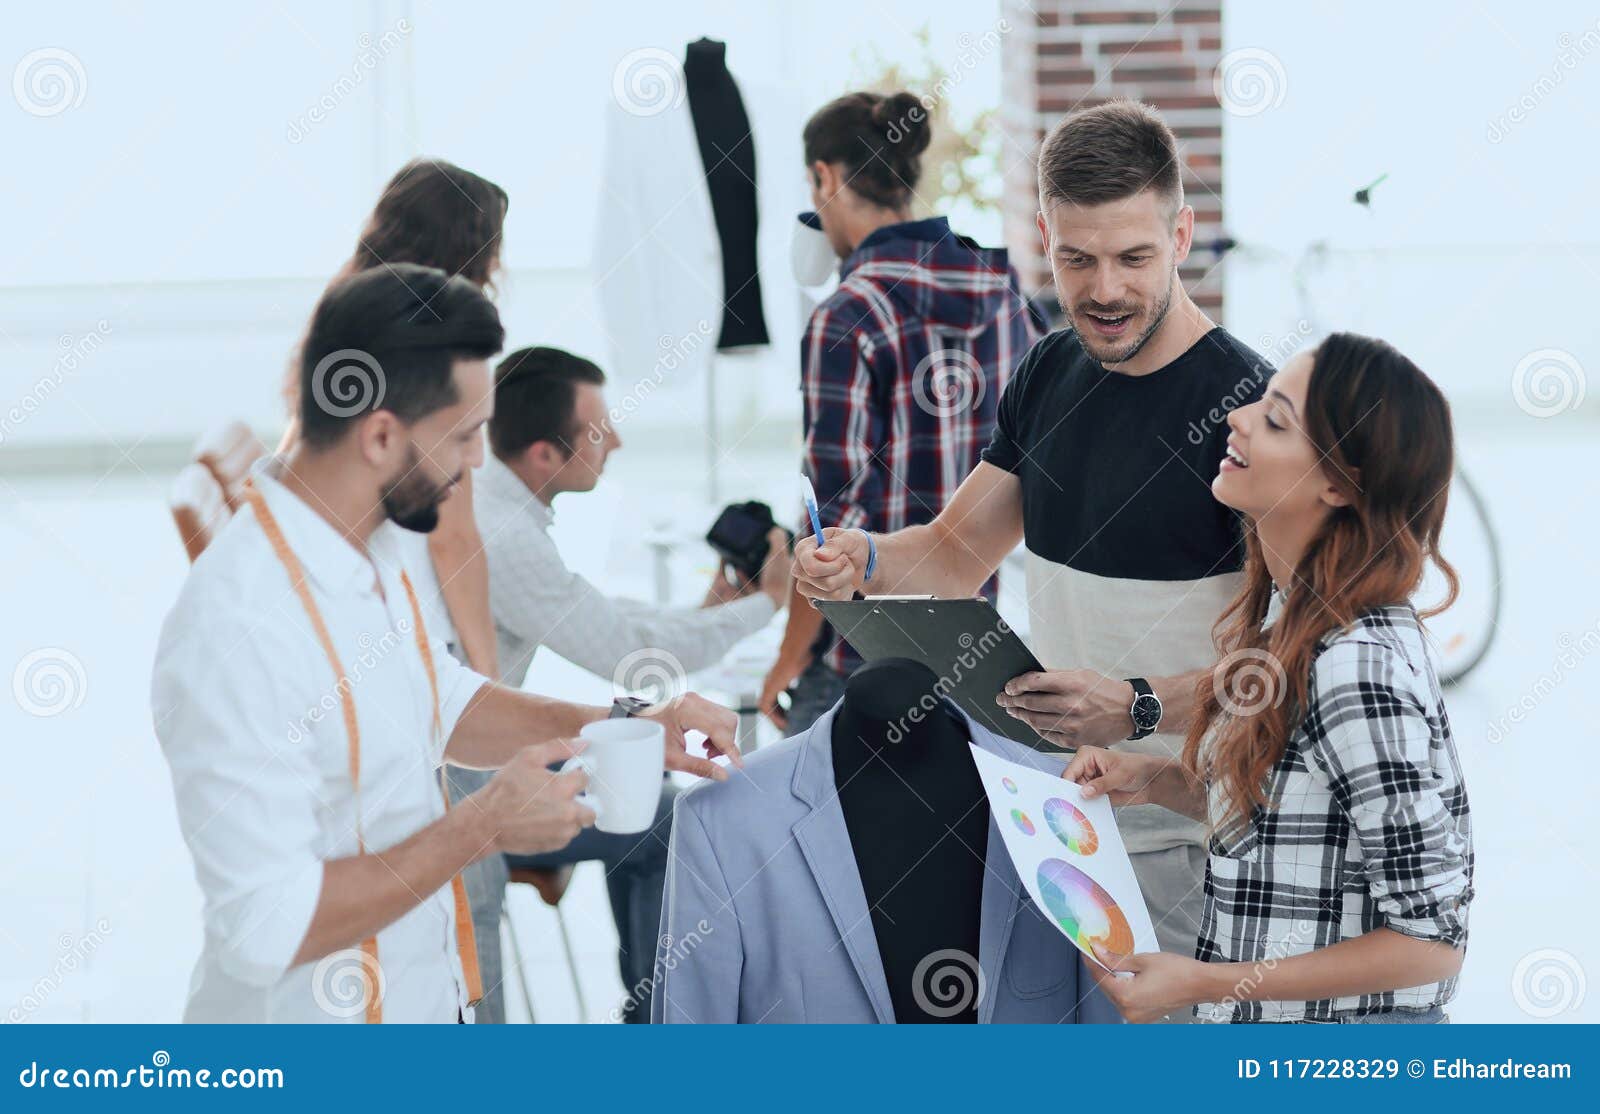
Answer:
x=853 y=874
x=919 y=825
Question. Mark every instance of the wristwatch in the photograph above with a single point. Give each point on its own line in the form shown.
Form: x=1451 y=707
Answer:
x=1146 y=709
x=625 y=706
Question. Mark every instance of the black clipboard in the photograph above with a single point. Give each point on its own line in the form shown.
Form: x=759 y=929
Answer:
x=966 y=643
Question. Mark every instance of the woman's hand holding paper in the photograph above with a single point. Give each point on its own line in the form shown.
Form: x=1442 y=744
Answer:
x=1149 y=986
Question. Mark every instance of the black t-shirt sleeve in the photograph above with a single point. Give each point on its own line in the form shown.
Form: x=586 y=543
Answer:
x=1004 y=449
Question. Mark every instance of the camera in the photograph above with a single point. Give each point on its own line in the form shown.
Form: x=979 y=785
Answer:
x=739 y=535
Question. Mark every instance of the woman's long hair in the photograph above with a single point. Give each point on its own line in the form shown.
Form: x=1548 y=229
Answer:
x=1381 y=430
x=432 y=213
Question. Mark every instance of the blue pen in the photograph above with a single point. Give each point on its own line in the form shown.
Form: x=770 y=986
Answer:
x=811 y=507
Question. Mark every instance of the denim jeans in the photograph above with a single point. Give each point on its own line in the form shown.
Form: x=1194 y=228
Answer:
x=636 y=872
x=818 y=689
x=1433 y=1016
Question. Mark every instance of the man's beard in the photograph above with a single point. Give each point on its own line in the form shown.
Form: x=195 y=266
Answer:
x=1131 y=348
x=412 y=501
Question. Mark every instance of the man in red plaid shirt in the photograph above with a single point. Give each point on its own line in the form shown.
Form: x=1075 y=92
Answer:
x=902 y=365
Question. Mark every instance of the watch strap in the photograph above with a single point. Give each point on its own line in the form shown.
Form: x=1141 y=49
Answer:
x=625 y=706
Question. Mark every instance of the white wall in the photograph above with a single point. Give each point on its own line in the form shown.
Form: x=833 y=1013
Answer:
x=1480 y=247
x=212 y=164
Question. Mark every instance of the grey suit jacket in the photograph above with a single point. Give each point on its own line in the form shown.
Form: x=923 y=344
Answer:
x=764 y=917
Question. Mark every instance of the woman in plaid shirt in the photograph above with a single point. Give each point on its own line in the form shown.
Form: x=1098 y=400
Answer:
x=1340 y=865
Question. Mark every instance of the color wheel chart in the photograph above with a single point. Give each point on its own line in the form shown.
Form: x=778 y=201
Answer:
x=1068 y=854
x=1084 y=911
x=1071 y=826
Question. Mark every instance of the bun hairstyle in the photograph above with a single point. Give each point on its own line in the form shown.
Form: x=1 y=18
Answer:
x=878 y=139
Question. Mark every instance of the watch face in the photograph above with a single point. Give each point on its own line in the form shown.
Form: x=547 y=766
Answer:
x=1146 y=712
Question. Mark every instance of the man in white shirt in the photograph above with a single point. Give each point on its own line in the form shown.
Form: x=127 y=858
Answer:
x=549 y=435
x=308 y=791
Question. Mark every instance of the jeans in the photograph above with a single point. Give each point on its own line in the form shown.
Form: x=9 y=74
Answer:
x=1433 y=1016
x=818 y=689
x=636 y=872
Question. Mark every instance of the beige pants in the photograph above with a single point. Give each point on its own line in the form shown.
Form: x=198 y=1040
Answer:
x=1173 y=882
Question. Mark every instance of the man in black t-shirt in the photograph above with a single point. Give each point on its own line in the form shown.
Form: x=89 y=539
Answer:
x=1107 y=440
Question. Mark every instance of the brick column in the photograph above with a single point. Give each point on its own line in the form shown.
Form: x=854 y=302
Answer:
x=1066 y=54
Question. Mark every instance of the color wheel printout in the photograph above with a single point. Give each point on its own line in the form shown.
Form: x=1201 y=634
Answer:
x=1070 y=856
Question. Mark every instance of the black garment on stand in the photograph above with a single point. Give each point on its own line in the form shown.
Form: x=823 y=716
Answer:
x=919 y=824
x=728 y=153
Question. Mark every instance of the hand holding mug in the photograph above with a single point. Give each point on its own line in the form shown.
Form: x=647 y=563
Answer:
x=527 y=809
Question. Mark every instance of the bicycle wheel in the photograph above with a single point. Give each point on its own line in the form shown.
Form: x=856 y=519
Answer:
x=1464 y=633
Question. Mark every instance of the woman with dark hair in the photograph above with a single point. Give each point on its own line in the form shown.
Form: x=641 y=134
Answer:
x=436 y=214
x=902 y=365
x=1340 y=867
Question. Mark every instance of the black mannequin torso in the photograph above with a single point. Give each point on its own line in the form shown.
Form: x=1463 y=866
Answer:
x=919 y=823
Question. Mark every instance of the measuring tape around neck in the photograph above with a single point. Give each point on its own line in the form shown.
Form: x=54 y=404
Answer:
x=466 y=940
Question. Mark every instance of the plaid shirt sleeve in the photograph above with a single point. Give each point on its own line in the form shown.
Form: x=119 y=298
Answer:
x=1370 y=736
x=843 y=425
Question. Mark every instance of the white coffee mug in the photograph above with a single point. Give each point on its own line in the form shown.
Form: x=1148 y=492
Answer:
x=624 y=762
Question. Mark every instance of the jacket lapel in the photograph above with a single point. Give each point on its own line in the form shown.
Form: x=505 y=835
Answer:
x=824 y=841
x=999 y=909
x=1002 y=889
